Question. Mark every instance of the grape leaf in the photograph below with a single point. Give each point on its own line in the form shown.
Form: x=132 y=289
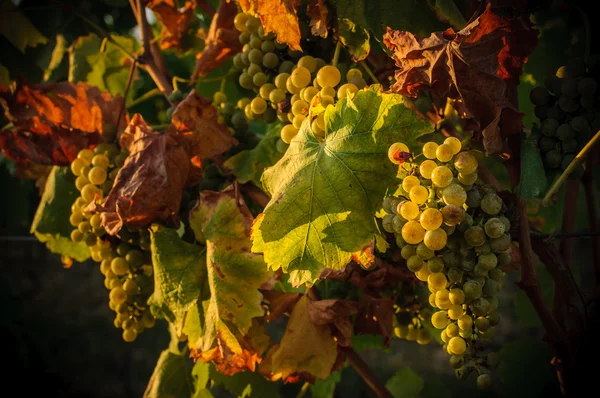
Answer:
x=435 y=388
x=304 y=348
x=446 y=10
x=175 y=21
x=179 y=275
x=18 y=29
x=171 y=377
x=317 y=11
x=478 y=67
x=102 y=63
x=248 y=165
x=231 y=337
x=277 y=16
x=326 y=388
x=324 y=195
x=222 y=41
x=355 y=38
x=58 y=54
x=244 y=384
x=201 y=375
x=334 y=312
x=375 y=316
x=533 y=182
x=51 y=222
x=54 y=121
x=150 y=184
x=405 y=383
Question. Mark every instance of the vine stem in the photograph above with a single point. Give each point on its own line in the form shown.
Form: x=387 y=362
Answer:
x=588 y=181
x=303 y=390
x=369 y=71
x=255 y=194
x=365 y=372
x=147 y=95
x=574 y=163
x=336 y=54
x=127 y=87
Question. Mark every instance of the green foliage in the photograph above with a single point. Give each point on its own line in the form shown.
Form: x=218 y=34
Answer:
x=57 y=56
x=524 y=311
x=248 y=165
x=324 y=194
x=18 y=29
x=533 y=183
x=102 y=63
x=446 y=10
x=171 y=377
x=244 y=384
x=51 y=223
x=326 y=388
x=405 y=383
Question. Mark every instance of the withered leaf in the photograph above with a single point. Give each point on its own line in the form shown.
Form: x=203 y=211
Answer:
x=478 y=67
x=280 y=302
x=175 y=23
x=150 y=184
x=222 y=41
x=375 y=316
x=336 y=312
x=54 y=121
x=277 y=16
x=317 y=11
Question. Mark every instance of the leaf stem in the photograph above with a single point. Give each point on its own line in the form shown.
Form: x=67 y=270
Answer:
x=147 y=95
x=127 y=87
x=367 y=375
x=303 y=390
x=574 y=163
x=369 y=71
x=336 y=54
x=177 y=79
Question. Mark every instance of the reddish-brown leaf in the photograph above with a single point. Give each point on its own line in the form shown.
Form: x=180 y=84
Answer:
x=277 y=16
x=280 y=303
x=335 y=312
x=54 y=121
x=175 y=23
x=317 y=11
x=375 y=316
x=478 y=67
x=197 y=128
x=150 y=184
x=222 y=41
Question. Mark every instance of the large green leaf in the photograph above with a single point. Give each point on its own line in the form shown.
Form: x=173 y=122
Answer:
x=102 y=63
x=533 y=182
x=171 y=377
x=17 y=28
x=51 y=222
x=325 y=194
x=406 y=383
x=229 y=335
x=249 y=165
x=179 y=275
x=201 y=375
x=326 y=388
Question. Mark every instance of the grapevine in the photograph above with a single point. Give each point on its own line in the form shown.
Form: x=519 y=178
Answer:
x=281 y=185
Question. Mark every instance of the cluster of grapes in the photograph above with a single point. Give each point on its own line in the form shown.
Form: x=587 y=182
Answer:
x=453 y=234
x=124 y=262
x=412 y=320
x=567 y=110
x=286 y=83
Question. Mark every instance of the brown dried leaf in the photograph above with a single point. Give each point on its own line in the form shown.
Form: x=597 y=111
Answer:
x=277 y=16
x=175 y=23
x=150 y=184
x=54 y=121
x=222 y=41
x=33 y=171
x=280 y=303
x=478 y=67
x=336 y=312
x=317 y=11
x=375 y=316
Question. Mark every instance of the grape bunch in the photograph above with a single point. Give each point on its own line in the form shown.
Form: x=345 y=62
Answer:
x=567 y=109
x=286 y=83
x=454 y=235
x=412 y=320
x=125 y=261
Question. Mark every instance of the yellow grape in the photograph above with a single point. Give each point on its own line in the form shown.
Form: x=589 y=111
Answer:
x=465 y=322
x=76 y=166
x=413 y=233
x=440 y=320
x=426 y=168
x=288 y=132
x=297 y=122
x=88 y=193
x=327 y=92
x=410 y=182
x=300 y=77
x=423 y=274
x=457 y=296
x=419 y=194
x=347 y=90
x=431 y=219
x=86 y=155
x=308 y=62
x=438 y=281
x=355 y=72
x=326 y=100
x=465 y=163
x=456 y=311
x=309 y=93
x=265 y=90
x=429 y=150
x=299 y=107
x=81 y=182
x=457 y=345
x=454 y=194
x=97 y=175
x=432 y=301
x=281 y=81
x=452 y=329
x=289 y=85
x=240 y=21
x=100 y=160
x=435 y=240
x=467 y=179
x=454 y=143
x=328 y=76
x=409 y=210
x=444 y=153
x=258 y=105
x=394 y=150
x=441 y=176
x=118 y=295
x=277 y=95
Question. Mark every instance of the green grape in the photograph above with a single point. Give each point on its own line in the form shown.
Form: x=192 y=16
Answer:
x=397 y=224
x=480 y=307
x=353 y=73
x=564 y=132
x=468 y=179
x=238 y=120
x=451 y=259
x=456 y=361
x=484 y=381
x=259 y=79
x=487 y=261
x=387 y=222
x=444 y=153
x=491 y=204
x=424 y=252
x=244 y=38
x=455 y=275
x=494 y=318
x=454 y=194
x=268 y=46
x=547 y=143
x=119 y=266
x=408 y=251
x=555 y=113
x=134 y=258
x=252 y=24
x=567 y=104
x=483 y=249
x=490 y=288
x=219 y=97
x=568 y=147
x=500 y=244
x=440 y=320
x=270 y=60
x=452 y=215
x=400 y=241
x=308 y=62
x=300 y=77
x=412 y=232
x=504 y=258
x=472 y=290
x=494 y=228
x=435 y=240
x=245 y=81
x=429 y=150
x=442 y=176
x=329 y=76
x=539 y=95
x=506 y=223
x=389 y=204
x=587 y=87
x=435 y=264
x=552 y=159
x=84 y=227
x=285 y=66
x=482 y=323
x=569 y=88
x=414 y=263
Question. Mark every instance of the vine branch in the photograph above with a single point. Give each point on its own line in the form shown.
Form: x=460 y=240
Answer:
x=255 y=194
x=365 y=372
